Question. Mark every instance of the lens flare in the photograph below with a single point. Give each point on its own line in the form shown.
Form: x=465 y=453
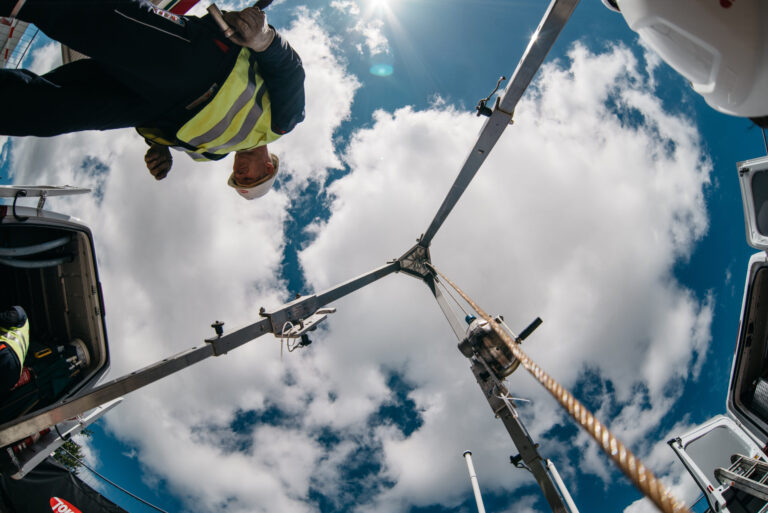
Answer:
x=381 y=70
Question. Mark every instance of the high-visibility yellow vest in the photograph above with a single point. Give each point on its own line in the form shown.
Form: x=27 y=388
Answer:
x=18 y=340
x=237 y=118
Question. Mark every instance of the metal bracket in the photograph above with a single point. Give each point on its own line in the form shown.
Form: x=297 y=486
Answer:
x=41 y=202
x=482 y=108
x=307 y=324
x=293 y=312
x=414 y=262
x=497 y=107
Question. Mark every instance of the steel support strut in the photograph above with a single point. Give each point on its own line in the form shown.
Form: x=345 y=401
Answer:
x=543 y=39
x=293 y=311
x=501 y=404
x=458 y=326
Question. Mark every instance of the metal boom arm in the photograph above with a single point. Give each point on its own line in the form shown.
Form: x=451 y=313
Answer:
x=552 y=23
x=293 y=311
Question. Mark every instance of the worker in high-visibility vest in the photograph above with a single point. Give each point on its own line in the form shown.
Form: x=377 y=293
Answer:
x=14 y=343
x=177 y=79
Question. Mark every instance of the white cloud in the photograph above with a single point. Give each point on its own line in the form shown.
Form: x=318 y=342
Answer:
x=652 y=61
x=44 y=59
x=347 y=6
x=329 y=93
x=373 y=32
x=368 y=26
x=89 y=455
x=578 y=216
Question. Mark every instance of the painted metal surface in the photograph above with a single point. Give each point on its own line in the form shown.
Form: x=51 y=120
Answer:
x=14 y=41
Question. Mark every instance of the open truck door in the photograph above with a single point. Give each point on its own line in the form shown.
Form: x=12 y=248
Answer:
x=727 y=456
x=48 y=266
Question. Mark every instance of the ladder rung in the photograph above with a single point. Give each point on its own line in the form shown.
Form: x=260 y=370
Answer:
x=742 y=483
x=755 y=463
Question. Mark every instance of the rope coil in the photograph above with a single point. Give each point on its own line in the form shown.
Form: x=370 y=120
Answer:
x=632 y=467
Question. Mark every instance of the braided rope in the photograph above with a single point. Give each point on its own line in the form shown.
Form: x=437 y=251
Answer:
x=632 y=467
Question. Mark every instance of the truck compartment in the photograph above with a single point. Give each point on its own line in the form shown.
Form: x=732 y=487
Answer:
x=749 y=386
x=48 y=268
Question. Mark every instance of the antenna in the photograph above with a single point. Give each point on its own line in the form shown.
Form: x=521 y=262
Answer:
x=561 y=486
x=473 y=479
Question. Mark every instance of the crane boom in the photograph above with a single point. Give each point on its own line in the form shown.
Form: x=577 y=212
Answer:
x=294 y=311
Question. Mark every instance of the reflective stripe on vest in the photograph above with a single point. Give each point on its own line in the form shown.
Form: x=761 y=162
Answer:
x=237 y=118
x=18 y=340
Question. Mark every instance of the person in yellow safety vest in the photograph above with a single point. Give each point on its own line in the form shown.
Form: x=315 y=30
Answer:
x=14 y=343
x=179 y=80
x=207 y=134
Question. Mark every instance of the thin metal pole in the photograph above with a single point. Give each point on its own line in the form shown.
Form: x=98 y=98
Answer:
x=473 y=479
x=543 y=39
x=561 y=486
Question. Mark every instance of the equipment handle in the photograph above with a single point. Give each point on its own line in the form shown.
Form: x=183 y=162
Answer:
x=219 y=19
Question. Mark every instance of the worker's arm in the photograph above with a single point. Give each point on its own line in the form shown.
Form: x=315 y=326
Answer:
x=279 y=66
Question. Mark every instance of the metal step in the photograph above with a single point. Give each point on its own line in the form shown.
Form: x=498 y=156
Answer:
x=746 y=474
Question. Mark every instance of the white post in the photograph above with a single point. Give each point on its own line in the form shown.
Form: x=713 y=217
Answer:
x=561 y=485
x=473 y=479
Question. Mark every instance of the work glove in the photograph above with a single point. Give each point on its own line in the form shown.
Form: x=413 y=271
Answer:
x=251 y=28
x=159 y=161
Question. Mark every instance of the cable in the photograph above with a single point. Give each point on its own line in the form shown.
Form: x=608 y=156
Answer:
x=765 y=142
x=452 y=297
x=27 y=48
x=633 y=468
x=81 y=462
x=446 y=289
x=287 y=326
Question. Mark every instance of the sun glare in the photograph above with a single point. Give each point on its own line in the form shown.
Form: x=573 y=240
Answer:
x=381 y=4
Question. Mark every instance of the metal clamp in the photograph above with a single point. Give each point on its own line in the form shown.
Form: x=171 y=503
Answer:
x=307 y=324
x=483 y=109
x=41 y=202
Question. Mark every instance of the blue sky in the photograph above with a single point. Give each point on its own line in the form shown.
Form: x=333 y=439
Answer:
x=615 y=207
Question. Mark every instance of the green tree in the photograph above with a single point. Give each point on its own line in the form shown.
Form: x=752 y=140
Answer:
x=70 y=451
